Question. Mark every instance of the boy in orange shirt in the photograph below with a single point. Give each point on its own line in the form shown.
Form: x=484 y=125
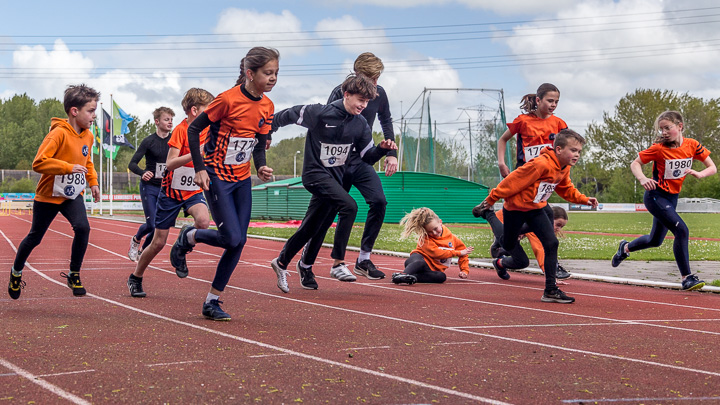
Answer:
x=526 y=191
x=66 y=166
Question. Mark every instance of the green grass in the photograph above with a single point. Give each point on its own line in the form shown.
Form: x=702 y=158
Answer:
x=572 y=246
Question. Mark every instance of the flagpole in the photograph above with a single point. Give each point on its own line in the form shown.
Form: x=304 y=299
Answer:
x=112 y=135
x=100 y=154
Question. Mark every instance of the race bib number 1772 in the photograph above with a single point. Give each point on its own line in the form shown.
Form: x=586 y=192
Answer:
x=239 y=150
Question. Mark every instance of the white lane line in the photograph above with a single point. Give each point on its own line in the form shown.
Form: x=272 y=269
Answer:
x=583 y=324
x=174 y=363
x=638 y=400
x=271 y=347
x=364 y=348
x=454 y=343
x=268 y=355
x=581 y=351
x=66 y=373
x=44 y=384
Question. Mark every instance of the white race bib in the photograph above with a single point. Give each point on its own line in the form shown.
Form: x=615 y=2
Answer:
x=239 y=150
x=676 y=168
x=333 y=155
x=69 y=185
x=531 y=152
x=544 y=191
x=183 y=179
x=160 y=170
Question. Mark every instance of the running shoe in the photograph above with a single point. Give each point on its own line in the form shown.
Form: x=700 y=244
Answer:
x=499 y=269
x=135 y=286
x=307 y=277
x=15 y=286
x=73 y=281
x=281 y=276
x=561 y=273
x=692 y=283
x=620 y=255
x=212 y=310
x=558 y=296
x=180 y=248
x=342 y=273
x=403 y=278
x=480 y=211
x=366 y=268
x=134 y=251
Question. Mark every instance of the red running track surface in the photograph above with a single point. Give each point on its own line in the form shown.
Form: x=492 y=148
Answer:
x=481 y=340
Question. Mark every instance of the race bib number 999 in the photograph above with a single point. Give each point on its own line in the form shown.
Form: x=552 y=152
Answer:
x=183 y=179
x=531 y=152
x=676 y=168
x=544 y=191
x=69 y=185
x=239 y=150
x=333 y=155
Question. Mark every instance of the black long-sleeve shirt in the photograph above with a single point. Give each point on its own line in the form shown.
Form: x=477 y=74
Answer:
x=379 y=106
x=155 y=151
x=332 y=134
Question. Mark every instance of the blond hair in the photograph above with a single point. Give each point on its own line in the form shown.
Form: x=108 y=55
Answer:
x=369 y=65
x=672 y=116
x=162 y=110
x=196 y=97
x=416 y=221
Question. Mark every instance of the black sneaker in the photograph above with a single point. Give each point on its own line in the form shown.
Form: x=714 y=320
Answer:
x=480 y=211
x=495 y=249
x=556 y=296
x=135 y=286
x=402 y=278
x=212 y=310
x=501 y=271
x=307 y=277
x=15 y=286
x=692 y=283
x=620 y=255
x=561 y=273
x=73 y=281
x=180 y=248
x=367 y=269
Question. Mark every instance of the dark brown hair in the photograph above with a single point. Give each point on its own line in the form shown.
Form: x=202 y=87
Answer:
x=256 y=58
x=359 y=84
x=529 y=103
x=672 y=116
x=79 y=95
x=369 y=65
x=562 y=137
x=559 y=212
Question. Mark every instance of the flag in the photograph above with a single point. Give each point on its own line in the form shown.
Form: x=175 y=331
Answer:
x=96 y=134
x=121 y=119
x=110 y=152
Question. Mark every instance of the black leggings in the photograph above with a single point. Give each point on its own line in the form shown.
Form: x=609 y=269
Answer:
x=43 y=215
x=538 y=223
x=418 y=267
x=662 y=207
x=517 y=259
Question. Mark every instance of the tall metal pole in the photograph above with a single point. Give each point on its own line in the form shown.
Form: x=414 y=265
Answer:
x=422 y=110
x=112 y=135
x=470 y=170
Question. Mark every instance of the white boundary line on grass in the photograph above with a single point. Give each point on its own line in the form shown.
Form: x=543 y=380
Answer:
x=44 y=384
x=249 y=341
x=580 y=351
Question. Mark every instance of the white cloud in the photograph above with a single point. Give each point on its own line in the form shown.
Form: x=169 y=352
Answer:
x=351 y=36
x=505 y=7
x=282 y=31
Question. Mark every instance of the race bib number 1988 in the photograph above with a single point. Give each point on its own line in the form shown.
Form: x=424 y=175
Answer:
x=69 y=185
x=544 y=191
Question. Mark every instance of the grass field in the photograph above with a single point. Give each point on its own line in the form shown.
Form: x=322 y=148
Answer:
x=572 y=246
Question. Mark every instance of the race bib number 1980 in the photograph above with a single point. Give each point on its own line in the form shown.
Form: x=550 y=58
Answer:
x=676 y=168
x=69 y=185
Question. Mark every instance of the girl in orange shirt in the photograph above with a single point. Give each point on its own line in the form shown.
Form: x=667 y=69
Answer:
x=436 y=246
x=672 y=156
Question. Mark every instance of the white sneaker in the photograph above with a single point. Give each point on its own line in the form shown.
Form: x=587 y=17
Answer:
x=342 y=273
x=133 y=251
x=281 y=276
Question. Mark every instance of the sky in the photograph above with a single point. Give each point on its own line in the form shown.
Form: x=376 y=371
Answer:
x=147 y=54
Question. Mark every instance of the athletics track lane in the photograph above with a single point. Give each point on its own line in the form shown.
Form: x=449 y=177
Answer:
x=483 y=338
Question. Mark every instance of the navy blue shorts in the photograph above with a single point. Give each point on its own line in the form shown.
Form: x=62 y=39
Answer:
x=169 y=208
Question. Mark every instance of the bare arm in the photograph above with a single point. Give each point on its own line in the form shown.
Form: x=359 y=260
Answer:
x=709 y=170
x=636 y=169
x=501 y=146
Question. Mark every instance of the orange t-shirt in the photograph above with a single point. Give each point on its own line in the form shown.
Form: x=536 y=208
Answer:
x=670 y=164
x=60 y=151
x=183 y=187
x=237 y=119
x=529 y=186
x=534 y=134
x=438 y=252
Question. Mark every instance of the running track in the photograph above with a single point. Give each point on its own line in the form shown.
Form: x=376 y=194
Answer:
x=481 y=340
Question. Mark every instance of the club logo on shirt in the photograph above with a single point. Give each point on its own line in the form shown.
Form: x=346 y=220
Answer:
x=677 y=173
x=261 y=123
x=85 y=150
x=240 y=157
x=331 y=160
x=552 y=137
x=69 y=190
x=450 y=244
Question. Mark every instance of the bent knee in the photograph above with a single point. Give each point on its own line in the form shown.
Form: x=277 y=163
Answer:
x=202 y=223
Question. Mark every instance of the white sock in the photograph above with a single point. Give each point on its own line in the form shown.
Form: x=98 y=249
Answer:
x=211 y=297
x=363 y=256
x=303 y=265
x=191 y=237
x=16 y=273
